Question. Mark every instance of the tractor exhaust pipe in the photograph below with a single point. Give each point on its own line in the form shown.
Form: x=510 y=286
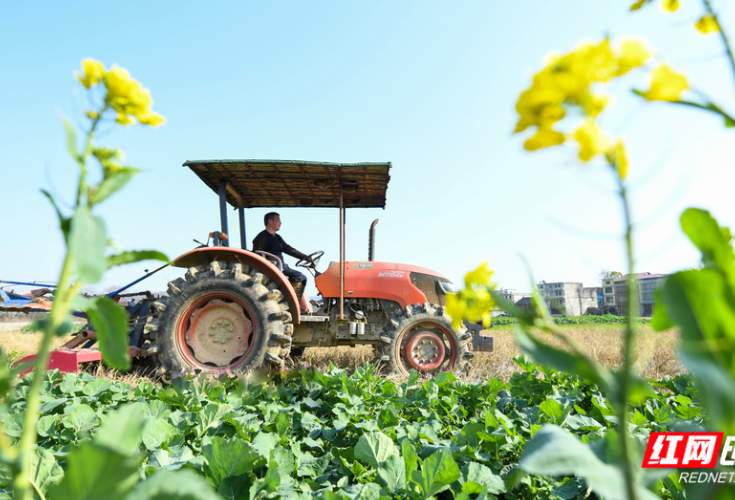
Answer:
x=371 y=241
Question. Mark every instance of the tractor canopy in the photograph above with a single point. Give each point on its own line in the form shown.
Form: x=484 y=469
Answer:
x=292 y=183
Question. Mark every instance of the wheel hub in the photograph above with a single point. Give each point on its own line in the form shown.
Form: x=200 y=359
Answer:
x=425 y=351
x=219 y=332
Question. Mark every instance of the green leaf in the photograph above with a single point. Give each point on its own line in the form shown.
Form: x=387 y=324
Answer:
x=46 y=425
x=166 y=460
x=87 y=244
x=712 y=240
x=552 y=409
x=111 y=184
x=157 y=433
x=555 y=452
x=392 y=473
x=437 y=472
x=110 y=322
x=265 y=442
x=96 y=387
x=71 y=141
x=81 y=418
x=374 y=447
x=410 y=458
x=134 y=256
x=168 y=485
x=45 y=472
x=122 y=430
x=476 y=476
x=64 y=222
x=92 y=469
x=231 y=458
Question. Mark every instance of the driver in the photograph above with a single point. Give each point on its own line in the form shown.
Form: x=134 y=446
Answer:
x=269 y=241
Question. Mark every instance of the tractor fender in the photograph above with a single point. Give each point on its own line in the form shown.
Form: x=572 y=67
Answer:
x=203 y=256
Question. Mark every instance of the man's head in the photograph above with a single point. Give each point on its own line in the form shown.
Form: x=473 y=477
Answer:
x=272 y=222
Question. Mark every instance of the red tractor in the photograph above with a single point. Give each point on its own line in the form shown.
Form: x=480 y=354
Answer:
x=235 y=311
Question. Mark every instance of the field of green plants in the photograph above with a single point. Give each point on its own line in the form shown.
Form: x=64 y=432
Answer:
x=337 y=436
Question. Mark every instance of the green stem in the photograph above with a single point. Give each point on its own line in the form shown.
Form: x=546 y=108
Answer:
x=710 y=106
x=627 y=350
x=723 y=35
x=87 y=150
x=22 y=486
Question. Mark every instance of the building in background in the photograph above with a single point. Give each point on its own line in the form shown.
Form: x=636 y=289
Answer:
x=608 y=294
x=646 y=284
x=568 y=299
x=521 y=299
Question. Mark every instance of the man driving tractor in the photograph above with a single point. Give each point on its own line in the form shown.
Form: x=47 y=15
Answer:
x=269 y=241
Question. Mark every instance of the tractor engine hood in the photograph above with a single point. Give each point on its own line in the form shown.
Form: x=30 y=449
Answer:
x=405 y=284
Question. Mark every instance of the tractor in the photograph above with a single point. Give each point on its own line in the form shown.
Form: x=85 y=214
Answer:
x=235 y=311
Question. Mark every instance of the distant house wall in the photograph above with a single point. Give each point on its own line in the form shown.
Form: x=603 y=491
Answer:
x=646 y=285
x=568 y=298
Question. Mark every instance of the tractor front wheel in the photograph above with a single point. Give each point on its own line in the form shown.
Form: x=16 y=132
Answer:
x=423 y=339
x=221 y=319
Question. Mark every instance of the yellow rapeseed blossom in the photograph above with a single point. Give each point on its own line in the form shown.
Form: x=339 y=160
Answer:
x=669 y=5
x=92 y=72
x=568 y=80
x=456 y=308
x=707 y=25
x=544 y=138
x=593 y=104
x=592 y=140
x=125 y=95
x=639 y=4
x=618 y=158
x=631 y=53
x=480 y=276
x=666 y=84
x=474 y=302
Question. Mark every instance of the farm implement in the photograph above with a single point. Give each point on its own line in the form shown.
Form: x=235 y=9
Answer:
x=235 y=311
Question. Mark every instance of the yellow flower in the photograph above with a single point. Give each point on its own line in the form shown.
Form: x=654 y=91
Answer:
x=707 y=25
x=129 y=99
x=480 y=276
x=666 y=84
x=455 y=308
x=124 y=119
x=92 y=72
x=544 y=138
x=592 y=140
x=91 y=115
x=118 y=83
x=639 y=4
x=540 y=106
x=593 y=104
x=631 y=53
x=618 y=158
x=669 y=5
x=151 y=118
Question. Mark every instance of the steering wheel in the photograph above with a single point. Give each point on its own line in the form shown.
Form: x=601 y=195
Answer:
x=310 y=260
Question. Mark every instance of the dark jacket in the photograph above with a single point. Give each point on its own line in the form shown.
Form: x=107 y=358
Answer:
x=274 y=244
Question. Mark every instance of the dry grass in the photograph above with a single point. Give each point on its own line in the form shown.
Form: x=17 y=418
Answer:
x=655 y=353
x=16 y=345
x=25 y=344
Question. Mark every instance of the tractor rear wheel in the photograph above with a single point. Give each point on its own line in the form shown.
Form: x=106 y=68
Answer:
x=221 y=319
x=423 y=339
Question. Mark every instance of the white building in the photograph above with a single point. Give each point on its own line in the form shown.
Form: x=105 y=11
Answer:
x=568 y=299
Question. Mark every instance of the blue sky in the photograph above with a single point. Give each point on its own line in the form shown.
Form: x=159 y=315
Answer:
x=427 y=85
